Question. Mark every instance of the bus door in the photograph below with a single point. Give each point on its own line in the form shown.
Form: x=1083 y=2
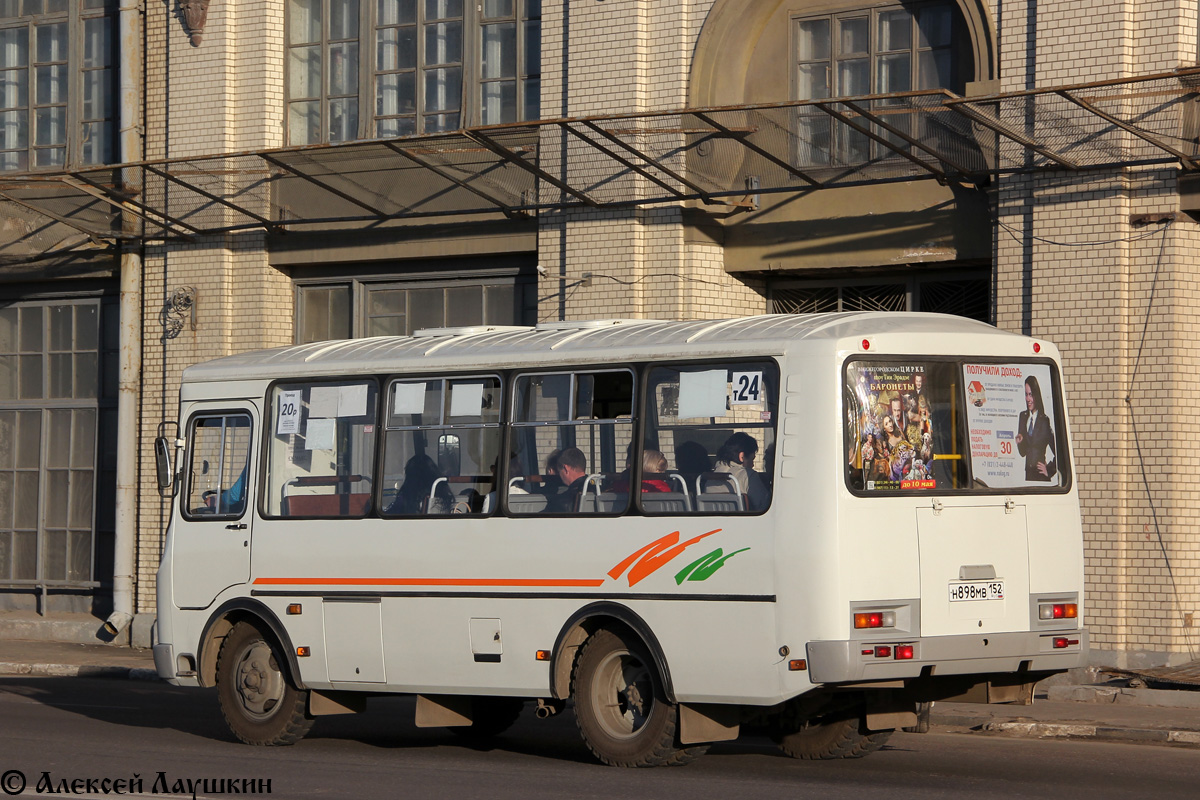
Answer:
x=211 y=536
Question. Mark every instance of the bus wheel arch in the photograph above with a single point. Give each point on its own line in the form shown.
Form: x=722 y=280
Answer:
x=223 y=620
x=586 y=622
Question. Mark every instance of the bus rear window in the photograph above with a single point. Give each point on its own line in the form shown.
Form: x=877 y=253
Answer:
x=903 y=426
x=1015 y=426
x=942 y=425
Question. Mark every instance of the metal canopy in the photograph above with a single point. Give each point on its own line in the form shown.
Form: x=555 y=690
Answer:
x=717 y=156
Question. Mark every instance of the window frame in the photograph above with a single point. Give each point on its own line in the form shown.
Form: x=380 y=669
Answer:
x=185 y=495
x=371 y=118
x=445 y=378
x=773 y=426
x=512 y=427
x=844 y=141
x=76 y=17
x=359 y=288
x=268 y=434
x=1062 y=442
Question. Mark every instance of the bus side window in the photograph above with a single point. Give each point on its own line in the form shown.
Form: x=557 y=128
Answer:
x=710 y=438
x=321 y=456
x=572 y=441
x=442 y=448
x=219 y=464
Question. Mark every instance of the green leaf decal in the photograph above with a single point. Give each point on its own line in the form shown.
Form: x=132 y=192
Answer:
x=703 y=567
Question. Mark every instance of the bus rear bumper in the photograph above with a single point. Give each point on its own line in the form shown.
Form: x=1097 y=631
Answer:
x=870 y=660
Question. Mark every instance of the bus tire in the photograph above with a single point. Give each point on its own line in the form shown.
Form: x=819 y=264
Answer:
x=828 y=738
x=259 y=703
x=620 y=707
x=491 y=716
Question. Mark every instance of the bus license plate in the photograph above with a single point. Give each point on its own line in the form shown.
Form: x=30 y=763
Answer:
x=976 y=590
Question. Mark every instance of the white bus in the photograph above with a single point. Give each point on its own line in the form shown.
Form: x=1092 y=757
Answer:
x=838 y=518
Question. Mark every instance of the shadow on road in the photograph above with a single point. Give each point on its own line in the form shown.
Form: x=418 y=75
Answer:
x=387 y=723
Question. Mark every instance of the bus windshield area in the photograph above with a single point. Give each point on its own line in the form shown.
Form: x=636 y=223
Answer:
x=940 y=425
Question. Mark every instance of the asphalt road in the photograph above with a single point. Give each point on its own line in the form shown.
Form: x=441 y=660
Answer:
x=76 y=729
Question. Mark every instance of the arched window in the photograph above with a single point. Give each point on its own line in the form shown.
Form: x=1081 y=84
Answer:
x=872 y=51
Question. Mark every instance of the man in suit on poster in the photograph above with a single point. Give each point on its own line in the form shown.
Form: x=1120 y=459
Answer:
x=1035 y=437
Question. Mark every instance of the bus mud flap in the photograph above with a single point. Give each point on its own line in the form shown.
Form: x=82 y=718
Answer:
x=706 y=722
x=887 y=710
x=325 y=703
x=443 y=711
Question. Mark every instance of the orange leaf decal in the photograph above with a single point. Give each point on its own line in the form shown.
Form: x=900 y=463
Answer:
x=653 y=556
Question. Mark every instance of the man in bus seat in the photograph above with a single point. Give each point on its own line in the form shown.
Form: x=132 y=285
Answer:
x=572 y=471
x=736 y=458
x=552 y=484
x=231 y=500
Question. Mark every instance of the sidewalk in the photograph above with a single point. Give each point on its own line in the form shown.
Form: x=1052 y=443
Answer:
x=1103 y=712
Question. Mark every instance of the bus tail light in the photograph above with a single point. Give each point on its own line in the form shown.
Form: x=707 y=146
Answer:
x=1061 y=641
x=904 y=652
x=875 y=619
x=1058 y=611
x=883 y=651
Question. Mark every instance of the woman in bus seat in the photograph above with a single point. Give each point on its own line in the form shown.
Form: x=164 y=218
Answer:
x=736 y=458
x=420 y=473
x=654 y=463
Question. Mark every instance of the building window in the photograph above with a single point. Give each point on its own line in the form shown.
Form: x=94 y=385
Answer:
x=385 y=68
x=965 y=293
x=58 y=393
x=389 y=308
x=56 y=83
x=872 y=51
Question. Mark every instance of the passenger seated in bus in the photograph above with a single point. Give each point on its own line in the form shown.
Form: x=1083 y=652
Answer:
x=552 y=484
x=736 y=457
x=420 y=473
x=572 y=471
x=654 y=464
x=692 y=458
x=228 y=501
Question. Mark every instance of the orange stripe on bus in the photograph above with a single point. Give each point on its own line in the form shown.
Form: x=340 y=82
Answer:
x=429 y=582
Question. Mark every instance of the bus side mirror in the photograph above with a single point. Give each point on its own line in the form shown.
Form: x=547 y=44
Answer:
x=164 y=462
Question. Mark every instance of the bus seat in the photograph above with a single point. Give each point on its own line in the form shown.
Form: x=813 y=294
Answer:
x=603 y=503
x=665 y=503
x=527 y=503
x=326 y=505
x=718 y=492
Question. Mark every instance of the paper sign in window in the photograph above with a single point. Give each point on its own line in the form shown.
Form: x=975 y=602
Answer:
x=352 y=400
x=466 y=400
x=319 y=435
x=703 y=394
x=323 y=401
x=408 y=398
x=289 y=413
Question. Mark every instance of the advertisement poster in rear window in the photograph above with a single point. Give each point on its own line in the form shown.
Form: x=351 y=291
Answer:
x=1010 y=418
x=890 y=427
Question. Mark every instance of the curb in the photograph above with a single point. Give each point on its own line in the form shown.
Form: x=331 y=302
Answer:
x=77 y=671
x=1047 y=730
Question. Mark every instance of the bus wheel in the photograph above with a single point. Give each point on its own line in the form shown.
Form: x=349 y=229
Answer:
x=492 y=716
x=620 y=707
x=832 y=737
x=258 y=702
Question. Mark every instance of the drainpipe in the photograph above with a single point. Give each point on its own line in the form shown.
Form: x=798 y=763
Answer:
x=130 y=369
